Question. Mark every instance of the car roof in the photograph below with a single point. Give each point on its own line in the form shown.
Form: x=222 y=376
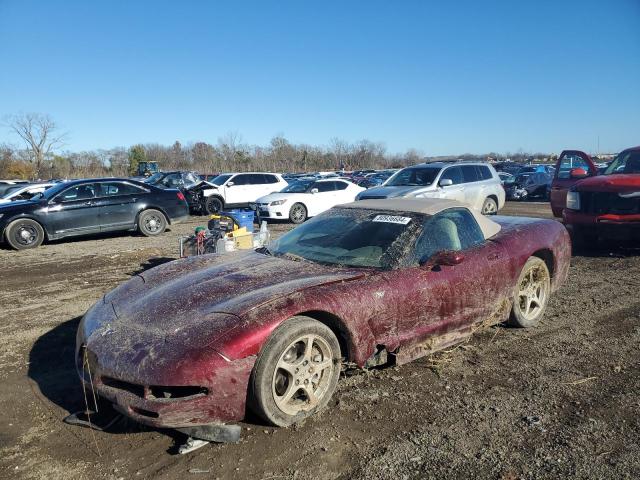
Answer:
x=427 y=206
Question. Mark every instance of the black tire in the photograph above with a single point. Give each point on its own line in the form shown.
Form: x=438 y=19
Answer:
x=490 y=206
x=24 y=233
x=271 y=385
x=536 y=274
x=213 y=205
x=298 y=213
x=151 y=223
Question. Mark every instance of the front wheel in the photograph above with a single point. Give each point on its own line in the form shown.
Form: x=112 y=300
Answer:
x=24 y=233
x=151 y=223
x=296 y=372
x=532 y=294
x=213 y=205
x=298 y=213
x=489 y=207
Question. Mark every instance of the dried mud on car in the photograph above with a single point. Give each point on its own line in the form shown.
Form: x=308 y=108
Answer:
x=560 y=400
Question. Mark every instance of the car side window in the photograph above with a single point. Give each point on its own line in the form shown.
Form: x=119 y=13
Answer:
x=341 y=185
x=242 y=179
x=324 y=186
x=484 y=173
x=568 y=163
x=454 y=174
x=270 y=178
x=452 y=229
x=118 y=188
x=470 y=173
x=78 y=192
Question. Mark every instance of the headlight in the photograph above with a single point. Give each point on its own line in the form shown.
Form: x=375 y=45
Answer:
x=573 y=200
x=277 y=202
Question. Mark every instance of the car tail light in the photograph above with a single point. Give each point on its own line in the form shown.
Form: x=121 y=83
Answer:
x=181 y=196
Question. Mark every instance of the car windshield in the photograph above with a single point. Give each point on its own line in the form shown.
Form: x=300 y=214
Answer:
x=220 y=179
x=626 y=162
x=353 y=237
x=300 y=186
x=414 y=177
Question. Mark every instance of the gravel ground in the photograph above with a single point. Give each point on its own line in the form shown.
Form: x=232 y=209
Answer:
x=561 y=400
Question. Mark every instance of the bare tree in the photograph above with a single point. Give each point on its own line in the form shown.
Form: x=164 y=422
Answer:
x=40 y=135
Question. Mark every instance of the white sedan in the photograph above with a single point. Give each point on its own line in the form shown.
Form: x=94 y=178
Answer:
x=303 y=199
x=24 y=192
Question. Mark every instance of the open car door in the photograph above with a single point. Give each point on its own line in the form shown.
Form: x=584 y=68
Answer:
x=572 y=166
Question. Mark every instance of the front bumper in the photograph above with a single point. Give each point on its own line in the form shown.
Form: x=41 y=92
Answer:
x=221 y=401
x=278 y=212
x=606 y=225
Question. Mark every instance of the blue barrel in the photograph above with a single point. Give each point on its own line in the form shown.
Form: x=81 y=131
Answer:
x=244 y=217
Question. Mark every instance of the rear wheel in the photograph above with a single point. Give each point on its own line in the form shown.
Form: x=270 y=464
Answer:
x=296 y=372
x=24 y=233
x=532 y=294
x=298 y=213
x=489 y=207
x=151 y=223
x=213 y=205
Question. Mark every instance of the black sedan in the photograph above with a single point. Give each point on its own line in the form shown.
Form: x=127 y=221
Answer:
x=82 y=207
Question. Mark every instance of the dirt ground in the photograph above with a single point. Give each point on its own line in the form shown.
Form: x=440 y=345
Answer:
x=561 y=400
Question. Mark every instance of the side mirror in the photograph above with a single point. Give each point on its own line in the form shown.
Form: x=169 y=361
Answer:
x=230 y=184
x=314 y=190
x=446 y=258
x=578 y=173
x=445 y=182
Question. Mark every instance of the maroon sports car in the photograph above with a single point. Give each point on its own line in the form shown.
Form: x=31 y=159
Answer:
x=198 y=341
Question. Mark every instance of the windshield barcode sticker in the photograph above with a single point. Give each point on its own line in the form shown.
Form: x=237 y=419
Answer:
x=392 y=219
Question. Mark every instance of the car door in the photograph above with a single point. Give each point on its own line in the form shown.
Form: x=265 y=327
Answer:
x=563 y=178
x=455 y=191
x=118 y=203
x=239 y=189
x=438 y=299
x=74 y=211
x=343 y=193
x=473 y=187
x=321 y=198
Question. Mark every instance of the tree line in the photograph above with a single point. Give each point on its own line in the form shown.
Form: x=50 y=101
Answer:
x=41 y=155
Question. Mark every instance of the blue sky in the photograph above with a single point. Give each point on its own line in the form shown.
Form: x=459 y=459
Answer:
x=442 y=77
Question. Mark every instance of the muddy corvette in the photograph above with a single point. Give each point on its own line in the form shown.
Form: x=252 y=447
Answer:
x=196 y=343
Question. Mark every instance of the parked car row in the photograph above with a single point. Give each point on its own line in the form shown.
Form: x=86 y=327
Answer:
x=89 y=206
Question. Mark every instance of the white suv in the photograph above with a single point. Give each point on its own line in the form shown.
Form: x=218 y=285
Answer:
x=235 y=190
x=475 y=183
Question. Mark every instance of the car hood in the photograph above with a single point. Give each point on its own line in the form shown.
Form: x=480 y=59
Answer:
x=217 y=287
x=9 y=205
x=391 y=192
x=610 y=183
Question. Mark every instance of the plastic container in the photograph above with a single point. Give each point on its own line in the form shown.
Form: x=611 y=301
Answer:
x=244 y=217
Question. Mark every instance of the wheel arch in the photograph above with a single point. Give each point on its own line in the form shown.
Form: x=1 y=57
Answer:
x=338 y=327
x=24 y=216
x=547 y=256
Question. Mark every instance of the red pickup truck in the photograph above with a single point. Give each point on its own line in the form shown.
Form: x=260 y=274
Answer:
x=592 y=205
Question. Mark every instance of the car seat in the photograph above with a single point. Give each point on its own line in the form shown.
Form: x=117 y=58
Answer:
x=84 y=192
